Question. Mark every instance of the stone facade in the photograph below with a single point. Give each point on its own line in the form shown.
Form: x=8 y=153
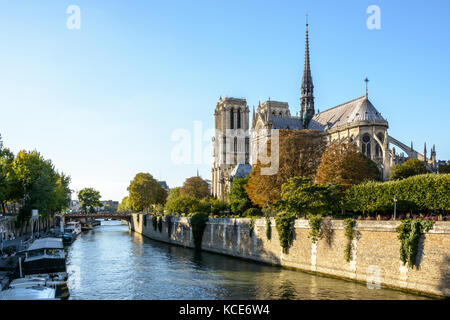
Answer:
x=375 y=250
x=231 y=144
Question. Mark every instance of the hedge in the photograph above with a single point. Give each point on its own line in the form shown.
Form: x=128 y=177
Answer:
x=422 y=194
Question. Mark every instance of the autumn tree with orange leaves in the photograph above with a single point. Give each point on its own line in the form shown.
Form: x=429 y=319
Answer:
x=300 y=153
x=342 y=163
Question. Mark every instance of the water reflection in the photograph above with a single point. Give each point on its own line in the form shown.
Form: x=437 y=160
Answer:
x=115 y=263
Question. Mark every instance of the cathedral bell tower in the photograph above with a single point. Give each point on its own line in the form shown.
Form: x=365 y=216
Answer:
x=230 y=143
x=307 y=90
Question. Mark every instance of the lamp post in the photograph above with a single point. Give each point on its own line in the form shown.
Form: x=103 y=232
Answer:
x=395 y=207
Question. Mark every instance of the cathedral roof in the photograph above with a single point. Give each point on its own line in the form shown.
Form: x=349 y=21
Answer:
x=360 y=109
x=241 y=170
x=286 y=123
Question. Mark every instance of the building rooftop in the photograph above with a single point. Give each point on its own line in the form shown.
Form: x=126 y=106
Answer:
x=360 y=109
x=241 y=170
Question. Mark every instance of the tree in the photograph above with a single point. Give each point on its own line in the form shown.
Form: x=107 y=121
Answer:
x=410 y=167
x=299 y=155
x=9 y=188
x=41 y=186
x=195 y=187
x=125 y=205
x=89 y=197
x=214 y=206
x=239 y=200
x=185 y=204
x=145 y=192
x=342 y=163
x=61 y=193
x=301 y=196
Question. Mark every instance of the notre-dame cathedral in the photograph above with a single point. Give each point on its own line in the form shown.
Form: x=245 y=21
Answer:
x=357 y=120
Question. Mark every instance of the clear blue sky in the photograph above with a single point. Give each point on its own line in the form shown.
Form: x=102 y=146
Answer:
x=102 y=102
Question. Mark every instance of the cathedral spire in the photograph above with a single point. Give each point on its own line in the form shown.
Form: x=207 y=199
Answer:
x=425 y=152
x=366 y=80
x=307 y=89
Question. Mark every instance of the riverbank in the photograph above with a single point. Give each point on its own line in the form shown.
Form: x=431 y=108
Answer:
x=375 y=250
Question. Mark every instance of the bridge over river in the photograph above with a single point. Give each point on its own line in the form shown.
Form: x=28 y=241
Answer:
x=83 y=217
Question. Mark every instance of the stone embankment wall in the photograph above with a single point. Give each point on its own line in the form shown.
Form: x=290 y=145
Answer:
x=8 y=228
x=375 y=249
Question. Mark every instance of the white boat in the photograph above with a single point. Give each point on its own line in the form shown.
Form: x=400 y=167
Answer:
x=57 y=281
x=28 y=282
x=45 y=256
x=30 y=293
x=73 y=227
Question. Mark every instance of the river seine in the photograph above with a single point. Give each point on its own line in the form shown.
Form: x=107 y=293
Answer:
x=111 y=262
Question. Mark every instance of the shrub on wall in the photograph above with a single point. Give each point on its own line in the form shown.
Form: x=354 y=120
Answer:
x=349 y=225
x=160 y=224
x=268 y=227
x=155 y=222
x=409 y=233
x=251 y=226
x=285 y=223
x=424 y=193
x=169 y=225
x=315 y=222
x=198 y=224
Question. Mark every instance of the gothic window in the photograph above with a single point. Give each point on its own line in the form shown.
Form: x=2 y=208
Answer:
x=231 y=119
x=235 y=149
x=224 y=150
x=378 y=150
x=238 y=118
x=365 y=146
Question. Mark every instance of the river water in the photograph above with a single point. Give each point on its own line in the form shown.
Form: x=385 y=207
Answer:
x=111 y=262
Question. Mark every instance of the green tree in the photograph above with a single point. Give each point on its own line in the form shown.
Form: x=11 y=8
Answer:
x=42 y=187
x=61 y=193
x=239 y=200
x=195 y=187
x=9 y=187
x=89 y=197
x=302 y=197
x=125 y=205
x=214 y=206
x=145 y=192
x=409 y=168
x=185 y=204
